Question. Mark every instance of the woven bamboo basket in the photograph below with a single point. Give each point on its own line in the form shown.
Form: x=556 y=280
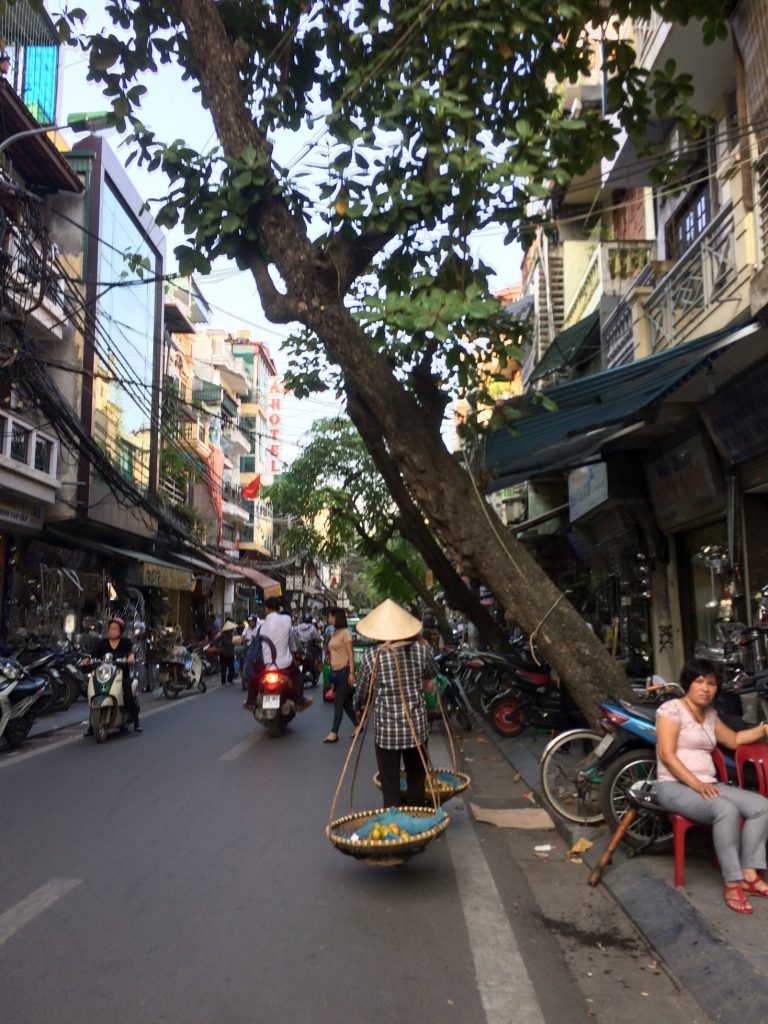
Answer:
x=382 y=852
x=462 y=781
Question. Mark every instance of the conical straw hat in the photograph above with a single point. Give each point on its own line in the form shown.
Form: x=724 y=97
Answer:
x=228 y=626
x=388 y=622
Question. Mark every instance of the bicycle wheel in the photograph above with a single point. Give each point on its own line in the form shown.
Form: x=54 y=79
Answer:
x=570 y=791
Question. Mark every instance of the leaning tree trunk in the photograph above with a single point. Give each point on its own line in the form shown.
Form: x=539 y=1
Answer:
x=315 y=285
x=413 y=527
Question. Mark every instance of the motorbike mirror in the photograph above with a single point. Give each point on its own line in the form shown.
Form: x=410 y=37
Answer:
x=69 y=624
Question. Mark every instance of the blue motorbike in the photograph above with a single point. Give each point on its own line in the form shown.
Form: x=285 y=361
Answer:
x=586 y=775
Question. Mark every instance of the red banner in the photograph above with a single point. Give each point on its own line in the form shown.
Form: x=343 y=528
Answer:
x=215 y=479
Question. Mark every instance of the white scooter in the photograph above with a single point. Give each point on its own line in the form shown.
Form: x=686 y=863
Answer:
x=19 y=692
x=105 y=697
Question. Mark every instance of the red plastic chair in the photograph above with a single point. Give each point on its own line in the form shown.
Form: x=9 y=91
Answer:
x=757 y=753
x=681 y=824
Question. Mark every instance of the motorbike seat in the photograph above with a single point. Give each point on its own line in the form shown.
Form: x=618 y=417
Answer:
x=645 y=711
x=26 y=688
x=535 y=678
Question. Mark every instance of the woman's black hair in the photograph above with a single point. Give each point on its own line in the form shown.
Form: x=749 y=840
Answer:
x=695 y=667
x=339 y=617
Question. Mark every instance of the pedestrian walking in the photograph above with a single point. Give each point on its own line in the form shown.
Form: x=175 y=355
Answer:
x=341 y=658
x=403 y=667
x=226 y=641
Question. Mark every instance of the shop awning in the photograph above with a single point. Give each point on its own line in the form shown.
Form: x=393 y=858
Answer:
x=270 y=587
x=572 y=346
x=595 y=410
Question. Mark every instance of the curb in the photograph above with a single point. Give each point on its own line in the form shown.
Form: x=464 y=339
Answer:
x=727 y=986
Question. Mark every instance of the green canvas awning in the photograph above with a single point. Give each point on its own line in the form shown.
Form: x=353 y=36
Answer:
x=595 y=410
x=575 y=345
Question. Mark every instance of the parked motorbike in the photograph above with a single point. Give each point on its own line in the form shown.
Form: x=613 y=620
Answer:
x=627 y=755
x=454 y=700
x=105 y=697
x=178 y=667
x=209 y=657
x=544 y=705
x=20 y=692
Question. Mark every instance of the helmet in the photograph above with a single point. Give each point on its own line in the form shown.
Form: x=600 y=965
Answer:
x=428 y=620
x=118 y=620
x=306 y=618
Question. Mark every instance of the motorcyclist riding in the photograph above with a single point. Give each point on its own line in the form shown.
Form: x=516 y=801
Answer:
x=120 y=647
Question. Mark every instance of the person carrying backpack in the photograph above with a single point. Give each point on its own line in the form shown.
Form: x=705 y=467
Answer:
x=277 y=630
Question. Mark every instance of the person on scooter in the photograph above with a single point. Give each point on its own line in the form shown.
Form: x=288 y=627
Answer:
x=278 y=627
x=687 y=731
x=121 y=648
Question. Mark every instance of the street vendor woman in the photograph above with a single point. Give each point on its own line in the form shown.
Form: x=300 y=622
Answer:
x=687 y=731
x=399 y=668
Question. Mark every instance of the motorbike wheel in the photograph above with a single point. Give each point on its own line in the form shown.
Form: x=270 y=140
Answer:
x=650 y=830
x=508 y=717
x=565 y=787
x=101 y=729
x=201 y=686
x=73 y=694
x=17 y=730
x=275 y=727
x=169 y=692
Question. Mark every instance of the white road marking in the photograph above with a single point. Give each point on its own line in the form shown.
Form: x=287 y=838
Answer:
x=28 y=909
x=8 y=759
x=505 y=987
x=239 y=748
x=506 y=991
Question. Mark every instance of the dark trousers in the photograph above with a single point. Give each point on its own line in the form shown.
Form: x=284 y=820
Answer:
x=129 y=703
x=388 y=762
x=342 y=698
x=227 y=666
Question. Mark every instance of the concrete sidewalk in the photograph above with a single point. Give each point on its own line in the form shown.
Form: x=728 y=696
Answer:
x=719 y=956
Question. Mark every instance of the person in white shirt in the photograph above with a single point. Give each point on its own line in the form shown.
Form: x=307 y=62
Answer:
x=278 y=628
x=251 y=629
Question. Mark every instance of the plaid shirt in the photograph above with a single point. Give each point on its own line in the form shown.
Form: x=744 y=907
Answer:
x=416 y=664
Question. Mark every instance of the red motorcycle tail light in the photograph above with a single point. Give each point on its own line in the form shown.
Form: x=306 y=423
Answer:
x=612 y=719
x=272 y=679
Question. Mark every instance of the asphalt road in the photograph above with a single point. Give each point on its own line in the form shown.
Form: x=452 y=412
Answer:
x=183 y=876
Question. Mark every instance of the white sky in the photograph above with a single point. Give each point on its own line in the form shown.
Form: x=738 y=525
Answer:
x=172 y=110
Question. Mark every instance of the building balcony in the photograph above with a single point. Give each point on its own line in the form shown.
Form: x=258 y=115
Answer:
x=703 y=280
x=761 y=197
x=206 y=393
x=194 y=439
x=28 y=459
x=176 y=494
x=233 y=372
x=240 y=441
x=611 y=271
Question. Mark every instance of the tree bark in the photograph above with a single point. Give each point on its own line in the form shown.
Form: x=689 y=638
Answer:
x=445 y=492
x=412 y=526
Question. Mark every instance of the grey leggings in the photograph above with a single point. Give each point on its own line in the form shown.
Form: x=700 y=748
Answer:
x=737 y=848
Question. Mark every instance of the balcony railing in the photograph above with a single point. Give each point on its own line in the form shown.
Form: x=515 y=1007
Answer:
x=698 y=280
x=761 y=182
x=206 y=394
x=645 y=33
x=612 y=269
x=617 y=332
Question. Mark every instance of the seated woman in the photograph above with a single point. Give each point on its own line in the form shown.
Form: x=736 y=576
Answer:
x=687 y=731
